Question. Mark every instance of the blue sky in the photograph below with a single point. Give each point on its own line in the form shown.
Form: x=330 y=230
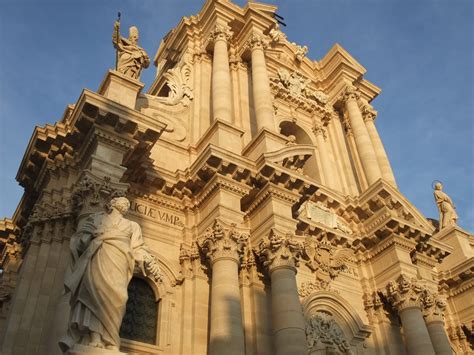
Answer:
x=421 y=54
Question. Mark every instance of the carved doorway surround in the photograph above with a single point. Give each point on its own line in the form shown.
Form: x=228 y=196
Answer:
x=333 y=326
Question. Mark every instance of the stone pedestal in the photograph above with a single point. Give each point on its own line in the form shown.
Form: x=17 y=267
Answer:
x=264 y=142
x=89 y=350
x=120 y=88
x=223 y=135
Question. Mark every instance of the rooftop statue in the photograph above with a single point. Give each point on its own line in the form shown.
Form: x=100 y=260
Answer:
x=447 y=211
x=130 y=57
x=105 y=250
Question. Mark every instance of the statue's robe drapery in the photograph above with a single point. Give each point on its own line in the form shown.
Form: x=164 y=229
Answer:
x=132 y=58
x=447 y=212
x=104 y=249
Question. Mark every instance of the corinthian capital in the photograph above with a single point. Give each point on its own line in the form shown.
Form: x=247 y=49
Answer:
x=350 y=93
x=279 y=250
x=219 y=242
x=256 y=41
x=405 y=293
x=368 y=113
x=221 y=32
x=433 y=307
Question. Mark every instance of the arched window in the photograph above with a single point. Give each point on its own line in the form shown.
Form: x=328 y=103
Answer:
x=288 y=128
x=141 y=316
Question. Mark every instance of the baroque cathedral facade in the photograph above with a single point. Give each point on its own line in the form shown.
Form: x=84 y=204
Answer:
x=263 y=192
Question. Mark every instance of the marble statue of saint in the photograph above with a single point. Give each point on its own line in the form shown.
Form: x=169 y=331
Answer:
x=131 y=57
x=105 y=250
x=447 y=211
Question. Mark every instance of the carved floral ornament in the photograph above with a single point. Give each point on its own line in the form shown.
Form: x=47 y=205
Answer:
x=219 y=242
x=279 y=250
x=368 y=112
x=350 y=92
x=301 y=52
x=294 y=87
x=406 y=293
x=221 y=33
x=256 y=41
x=323 y=330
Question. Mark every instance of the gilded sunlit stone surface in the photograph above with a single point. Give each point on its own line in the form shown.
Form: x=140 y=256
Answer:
x=243 y=204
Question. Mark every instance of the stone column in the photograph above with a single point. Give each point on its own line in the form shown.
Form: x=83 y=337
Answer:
x=405 y=296
x=361 y=135
x=221 y=83
x=329 y=176
x=279 y=254
x=433 y=309
x=262 y=96
x=222 y=248
x=369 y=115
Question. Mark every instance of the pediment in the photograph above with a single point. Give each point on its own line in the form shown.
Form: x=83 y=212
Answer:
x=382 y=203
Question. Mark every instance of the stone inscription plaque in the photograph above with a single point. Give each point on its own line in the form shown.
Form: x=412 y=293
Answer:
x=155 y=213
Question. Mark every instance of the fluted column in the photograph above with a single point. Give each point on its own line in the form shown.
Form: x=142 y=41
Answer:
x=279 y=254
x=433 y=309
x=405 y=296
x=329 y=176
x=369 y=115
x=262 y=96
x=223 y=247
x=361 y=135
x=221 y=83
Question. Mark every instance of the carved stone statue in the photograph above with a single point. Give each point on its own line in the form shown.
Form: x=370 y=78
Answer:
x=131 y=57
x=447 y=211
x=105 y=250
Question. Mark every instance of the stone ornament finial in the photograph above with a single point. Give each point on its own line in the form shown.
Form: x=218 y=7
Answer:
x=219 y=242
x=276 y=34
x=278 y=250
x=447 y=210
x=221 y=33
x=131 y=58
x=301 y=52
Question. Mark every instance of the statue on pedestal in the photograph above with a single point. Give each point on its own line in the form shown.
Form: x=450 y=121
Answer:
x=447 y=211
x=130 y=57
x=106 y=249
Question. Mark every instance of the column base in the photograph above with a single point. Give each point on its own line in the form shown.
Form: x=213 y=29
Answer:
x=222 y=135
x=264 y=142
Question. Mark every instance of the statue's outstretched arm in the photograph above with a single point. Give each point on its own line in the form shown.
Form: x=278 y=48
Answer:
x=143 y=257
